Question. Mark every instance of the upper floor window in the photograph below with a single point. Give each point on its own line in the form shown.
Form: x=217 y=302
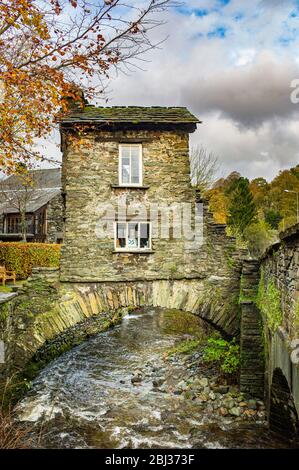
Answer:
x=130 y=164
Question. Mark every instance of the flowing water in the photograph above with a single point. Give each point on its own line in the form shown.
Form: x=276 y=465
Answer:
x=86 y=398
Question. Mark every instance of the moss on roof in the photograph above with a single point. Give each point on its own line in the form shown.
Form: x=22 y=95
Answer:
x=131 y=114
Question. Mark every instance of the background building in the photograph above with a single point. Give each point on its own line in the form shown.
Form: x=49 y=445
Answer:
x=40 y=197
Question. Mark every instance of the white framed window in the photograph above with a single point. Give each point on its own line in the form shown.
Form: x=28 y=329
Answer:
x=130 y=236
x=130 y=165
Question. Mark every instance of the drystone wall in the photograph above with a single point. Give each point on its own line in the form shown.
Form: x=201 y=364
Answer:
x=270 y=331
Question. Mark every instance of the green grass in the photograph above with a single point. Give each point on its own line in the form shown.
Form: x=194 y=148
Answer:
x=185 y=347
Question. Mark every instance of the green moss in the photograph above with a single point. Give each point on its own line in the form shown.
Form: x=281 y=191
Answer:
x=185 y=347
x=269 y=302
x=296 y=319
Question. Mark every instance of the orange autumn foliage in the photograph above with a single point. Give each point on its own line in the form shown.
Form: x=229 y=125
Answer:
x=49 y=49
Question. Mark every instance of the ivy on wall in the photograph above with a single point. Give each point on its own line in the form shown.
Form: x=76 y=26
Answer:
x=269 y=303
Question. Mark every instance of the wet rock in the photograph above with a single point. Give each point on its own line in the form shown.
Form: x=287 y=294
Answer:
x=182 y=385
x=235 y=411
x=203 y=397
x=158 y=382
x=223 y=389
x=252 y=405
x=203 y=382
x=122 y=381
x=137 y=377
x=223 y=411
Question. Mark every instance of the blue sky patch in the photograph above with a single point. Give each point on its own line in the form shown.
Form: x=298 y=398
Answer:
x=219 y=32
x=195 y=11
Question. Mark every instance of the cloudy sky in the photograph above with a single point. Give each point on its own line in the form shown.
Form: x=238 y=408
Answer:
x=231 y=62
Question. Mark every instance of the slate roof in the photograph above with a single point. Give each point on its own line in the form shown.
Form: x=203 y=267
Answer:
x=131 y=114
x=45 y=178
x=47 y=186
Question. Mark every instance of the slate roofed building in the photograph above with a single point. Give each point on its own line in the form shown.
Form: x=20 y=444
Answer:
x=128 y=157
x=42 y=201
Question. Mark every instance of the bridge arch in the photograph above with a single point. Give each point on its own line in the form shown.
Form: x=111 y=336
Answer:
x=49 y=317
x=283 y=416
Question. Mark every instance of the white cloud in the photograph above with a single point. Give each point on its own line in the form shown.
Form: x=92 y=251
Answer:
x=239 y=85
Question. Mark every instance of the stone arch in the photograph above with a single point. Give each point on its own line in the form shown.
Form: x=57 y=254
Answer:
x=49 y=317
x=283 y=417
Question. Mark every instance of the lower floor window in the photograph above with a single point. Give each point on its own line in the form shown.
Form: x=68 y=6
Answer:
x=132 y=236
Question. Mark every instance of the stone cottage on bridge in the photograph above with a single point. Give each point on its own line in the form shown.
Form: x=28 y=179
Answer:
x=133 y=155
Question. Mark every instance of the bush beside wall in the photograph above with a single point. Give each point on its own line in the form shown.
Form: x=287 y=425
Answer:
x=22 y=257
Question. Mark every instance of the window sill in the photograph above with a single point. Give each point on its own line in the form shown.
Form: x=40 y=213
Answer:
x=127 y=186
x=134 y=252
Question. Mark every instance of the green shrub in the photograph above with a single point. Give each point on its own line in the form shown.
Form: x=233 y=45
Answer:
x=185 y=347
x=224 y=354
x=269 y=303
x=22 y=257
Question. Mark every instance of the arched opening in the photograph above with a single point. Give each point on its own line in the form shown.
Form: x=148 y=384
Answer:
x=283 y=417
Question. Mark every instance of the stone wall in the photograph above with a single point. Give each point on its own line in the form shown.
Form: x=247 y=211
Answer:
x=252 y=373
x=89 y=173
x=280 y=285
x=55 y=220
x=49 y=316
x=270 y=326
x=280 y=265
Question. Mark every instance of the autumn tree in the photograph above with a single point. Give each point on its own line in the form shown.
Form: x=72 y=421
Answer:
x=49 y=49
x=242 y=209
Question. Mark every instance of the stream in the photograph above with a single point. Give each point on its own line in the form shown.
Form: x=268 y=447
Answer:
x=121 y=389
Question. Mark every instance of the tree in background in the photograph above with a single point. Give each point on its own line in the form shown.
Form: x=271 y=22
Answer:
x=273 y=218
x=204 y=167
x=218 y=197
x=242 y=210
x=259 y=236
x=275 y=208
x=49 y=49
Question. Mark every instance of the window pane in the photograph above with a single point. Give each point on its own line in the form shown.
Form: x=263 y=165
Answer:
x=135 y=150
x=125 y=151
x=144 y=236
x=121 y=236
x=132 y=235
x=125 y=170
x=135 y=169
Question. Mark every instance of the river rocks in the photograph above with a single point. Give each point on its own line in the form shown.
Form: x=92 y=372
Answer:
x=235 y=411
x=158 y=382
x=203 y=382
x=137 y=377
x=171 y=377
x=252 y=404
x=222 y=389
x=223 y=411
